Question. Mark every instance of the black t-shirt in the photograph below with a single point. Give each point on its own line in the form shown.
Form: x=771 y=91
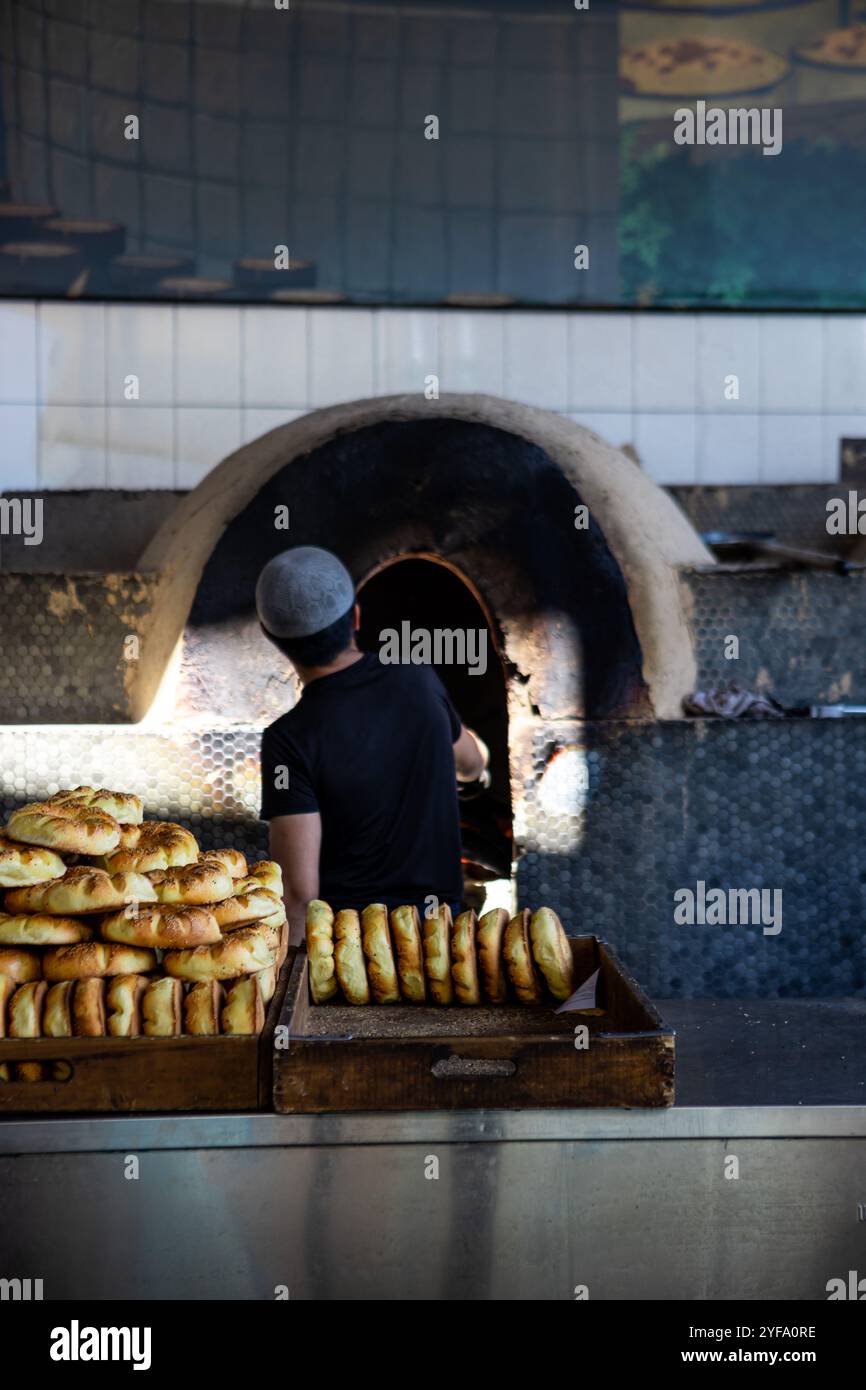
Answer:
x=371 y=748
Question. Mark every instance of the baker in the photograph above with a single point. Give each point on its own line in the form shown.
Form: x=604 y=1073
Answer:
x=359 y=779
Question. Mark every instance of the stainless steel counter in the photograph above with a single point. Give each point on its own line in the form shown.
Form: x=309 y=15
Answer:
x=475 y=1204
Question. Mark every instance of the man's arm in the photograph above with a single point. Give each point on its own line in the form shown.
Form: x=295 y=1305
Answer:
x=295 y=844
x=470 y=755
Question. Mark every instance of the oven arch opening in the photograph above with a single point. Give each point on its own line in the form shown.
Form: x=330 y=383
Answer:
x=429 y=593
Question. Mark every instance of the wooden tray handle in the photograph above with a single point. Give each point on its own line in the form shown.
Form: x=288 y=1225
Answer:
x=447 y=1068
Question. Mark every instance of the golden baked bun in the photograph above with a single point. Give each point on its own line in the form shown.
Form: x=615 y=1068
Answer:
x=155 y=844
x=242 y=908
x=123 y=1005
x=521 y=969
x=491 y=962
x=162 y=1008
x=57 y=1013
x=20 y=866
x=39 y=929
x=267 y=874
x=272 y=930
x=406 y=936
x=88 y=1009
x=25 y=1010
x=349 y=957
x=464 y=962
x=207 y=881
x=320 y=951
x=163 y=928
x=19 y=965
x=124 y=807
x=243 y=952
x=202 y=1007
x=267 y=982
x=376 y=940
x=75 y=828
x=436 y=933
x=95 y=958
x=82 y=890
x=552 y=952
x=231 y=859
x=7 y=989
x=243 y=1011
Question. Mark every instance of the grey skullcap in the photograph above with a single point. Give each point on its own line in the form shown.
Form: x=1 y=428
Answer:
x=303 y=591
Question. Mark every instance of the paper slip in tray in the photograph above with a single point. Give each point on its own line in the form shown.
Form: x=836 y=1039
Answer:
x=336 y=1057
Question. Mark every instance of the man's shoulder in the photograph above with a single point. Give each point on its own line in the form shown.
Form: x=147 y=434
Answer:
x=281 y=728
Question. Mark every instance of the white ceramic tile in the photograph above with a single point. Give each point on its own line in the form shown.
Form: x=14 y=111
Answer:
x=204 y=436
x=664 y=347
x=274 y=359
x=615 y=427
x=407 y=350
x=727 y=348
x=140 y=339
x=792 y=362
x=72 y=446
x=342 y=356
x=18 y=449
x=844 y=364
x=536 y=359
x=600 y=362
x=207 y=355
x=665 y=445
x=471 y=351
x=835 y=428
x=791 y=449
x=71 y=345
x=255 y=423
x=140 y=446
x=728 y=448
x=17 y=352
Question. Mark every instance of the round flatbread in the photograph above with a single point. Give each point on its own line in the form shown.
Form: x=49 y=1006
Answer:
x=552 y=952
x=349 y=957
x=464 y=962
x=406 y=935
x=376 y=940
x=517 y=951
x=436 y=931
x=491 y=962
x=320 y=951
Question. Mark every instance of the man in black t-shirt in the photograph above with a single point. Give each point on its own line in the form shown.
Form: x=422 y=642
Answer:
x=359 y=779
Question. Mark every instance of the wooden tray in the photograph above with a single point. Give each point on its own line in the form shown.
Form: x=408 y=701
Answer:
x=139 y=1074
x=420 y=1057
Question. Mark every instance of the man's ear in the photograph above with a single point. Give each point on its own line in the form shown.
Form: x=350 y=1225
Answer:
x=356 y=617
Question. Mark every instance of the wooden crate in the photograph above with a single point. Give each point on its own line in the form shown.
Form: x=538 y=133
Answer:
x=420 y=1057
x=118 y=1075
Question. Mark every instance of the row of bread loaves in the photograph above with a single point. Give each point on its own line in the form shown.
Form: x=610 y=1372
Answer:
x=374 y=957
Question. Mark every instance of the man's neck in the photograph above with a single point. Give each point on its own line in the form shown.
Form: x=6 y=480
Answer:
x=306 y=674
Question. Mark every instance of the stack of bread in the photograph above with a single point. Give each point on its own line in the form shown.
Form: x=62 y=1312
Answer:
x=371 y=958
x=120 y=927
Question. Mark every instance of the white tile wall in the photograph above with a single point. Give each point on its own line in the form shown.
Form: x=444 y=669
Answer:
x=212 y=377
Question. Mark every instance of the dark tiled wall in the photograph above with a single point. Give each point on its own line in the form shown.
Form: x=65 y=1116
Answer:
x=260 y=128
